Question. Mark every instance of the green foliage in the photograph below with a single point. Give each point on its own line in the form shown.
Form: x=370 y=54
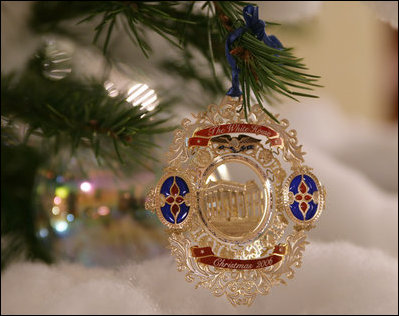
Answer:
x=264 y=72
x=190 y=30
x=76 y=113
x=19 y=165
x=134 y=16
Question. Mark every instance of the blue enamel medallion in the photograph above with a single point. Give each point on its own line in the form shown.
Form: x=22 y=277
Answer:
x=303 y=188
x=175 y=209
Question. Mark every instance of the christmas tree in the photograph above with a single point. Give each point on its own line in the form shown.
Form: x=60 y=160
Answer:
x=77 y=107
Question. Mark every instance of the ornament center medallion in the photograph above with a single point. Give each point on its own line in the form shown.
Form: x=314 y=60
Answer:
x=234 y=199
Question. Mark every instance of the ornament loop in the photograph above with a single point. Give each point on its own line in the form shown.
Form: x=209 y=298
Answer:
x=257 y=27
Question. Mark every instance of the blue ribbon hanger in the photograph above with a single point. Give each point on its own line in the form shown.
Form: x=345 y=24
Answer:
x=257 y=27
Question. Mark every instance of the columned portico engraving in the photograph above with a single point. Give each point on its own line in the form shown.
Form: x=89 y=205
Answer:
x=232 y=206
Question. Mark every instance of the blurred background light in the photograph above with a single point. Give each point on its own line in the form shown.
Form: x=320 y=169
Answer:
x=57 y=64
x=111 y=88
x=86 y=186
x=70 y=217
x=59 y=179
x=62 y=192
x=142 y=94
x=55 y=210
x=60 y=226
x=103 y=210
x=57 y=200
x=43 y=232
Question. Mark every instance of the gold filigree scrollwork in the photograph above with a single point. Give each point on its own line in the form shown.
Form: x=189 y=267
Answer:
x=150 y=201
x=240 y=286
x=264 y=152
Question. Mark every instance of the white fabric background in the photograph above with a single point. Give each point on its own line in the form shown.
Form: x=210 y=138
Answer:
x=336 y=278
x=294 y=11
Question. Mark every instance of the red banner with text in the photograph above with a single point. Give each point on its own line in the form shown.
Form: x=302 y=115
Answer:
x=205 y=255
x=201 y=137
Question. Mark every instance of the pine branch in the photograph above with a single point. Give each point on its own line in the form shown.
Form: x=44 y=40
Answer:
x=264 y=71
x=200 y=38
x=19 y=166
x=137 y=16
x=80 y=114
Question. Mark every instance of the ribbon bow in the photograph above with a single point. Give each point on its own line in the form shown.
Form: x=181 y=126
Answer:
x=257 y=27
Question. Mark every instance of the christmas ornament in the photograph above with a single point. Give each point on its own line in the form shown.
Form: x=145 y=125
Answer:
x=237 y=200
x=237 y=197
x=57 y=63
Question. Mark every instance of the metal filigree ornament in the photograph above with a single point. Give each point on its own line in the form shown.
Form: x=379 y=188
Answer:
x=231 y=189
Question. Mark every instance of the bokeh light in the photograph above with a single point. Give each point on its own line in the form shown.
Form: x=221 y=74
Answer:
x=61 y=226
x=57 y=200
x=86 y=186
x=141 y=94
x=62 y=192
x=43 y=232
x=103 y=210
x=70 y=217
x=55 y=210
x=110 y=87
